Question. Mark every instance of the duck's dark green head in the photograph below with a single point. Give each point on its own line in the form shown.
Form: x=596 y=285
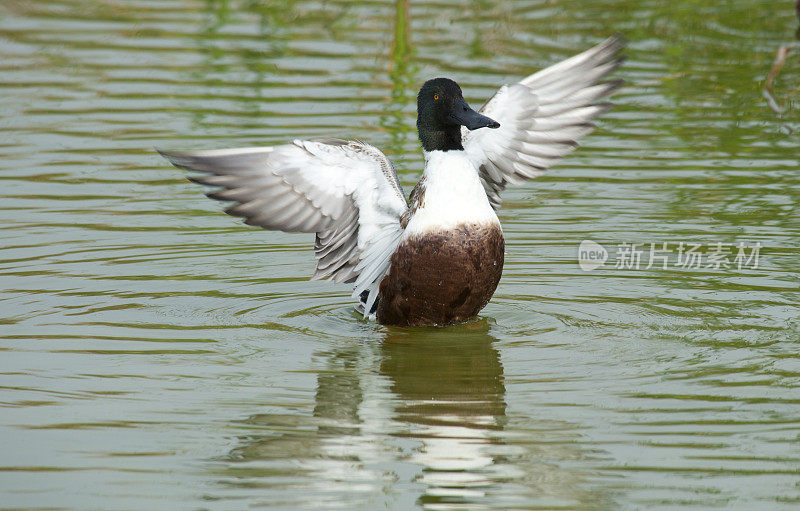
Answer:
x=441 y=111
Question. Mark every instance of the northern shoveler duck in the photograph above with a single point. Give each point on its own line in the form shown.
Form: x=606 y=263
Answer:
x=437 y=258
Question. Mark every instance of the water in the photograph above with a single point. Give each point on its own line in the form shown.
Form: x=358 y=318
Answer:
x=157 y=354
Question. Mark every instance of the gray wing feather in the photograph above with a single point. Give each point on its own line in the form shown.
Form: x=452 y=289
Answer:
x=344 y=191
x=542 y=117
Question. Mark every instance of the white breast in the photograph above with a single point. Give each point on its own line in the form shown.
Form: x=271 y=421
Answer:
x=453 y=195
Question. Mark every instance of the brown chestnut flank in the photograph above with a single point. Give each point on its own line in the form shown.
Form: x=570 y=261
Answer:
x=442 y=277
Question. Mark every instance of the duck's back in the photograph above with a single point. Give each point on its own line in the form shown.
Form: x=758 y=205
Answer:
x=450 y=260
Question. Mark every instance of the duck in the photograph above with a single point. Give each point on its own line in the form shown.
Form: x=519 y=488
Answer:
x=436 y=258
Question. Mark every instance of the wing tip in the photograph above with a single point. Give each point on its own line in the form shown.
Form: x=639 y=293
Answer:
x=610 y=88
x=602 y=107
x=215 y=194
x=609 y=47
x=616 y=40
x=616 y=63
x=620 y=37
x=174 y=157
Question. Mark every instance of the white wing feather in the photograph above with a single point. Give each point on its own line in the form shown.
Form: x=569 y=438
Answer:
x=541 y=118
x=344 y=191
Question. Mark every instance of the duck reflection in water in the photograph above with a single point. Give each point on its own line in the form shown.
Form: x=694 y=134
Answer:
x=418 y=420
x=450 y=402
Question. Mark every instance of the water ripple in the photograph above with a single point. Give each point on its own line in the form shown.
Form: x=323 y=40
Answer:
x=251 y=386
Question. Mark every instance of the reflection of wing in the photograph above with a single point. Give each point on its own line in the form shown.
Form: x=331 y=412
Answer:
x=346 y=192
x=541 y=117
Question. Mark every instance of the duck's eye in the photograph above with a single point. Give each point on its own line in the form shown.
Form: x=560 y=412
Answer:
x=435 y=97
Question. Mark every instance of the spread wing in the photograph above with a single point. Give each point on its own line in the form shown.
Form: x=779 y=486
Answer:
x=542 y=117
x=344 y=191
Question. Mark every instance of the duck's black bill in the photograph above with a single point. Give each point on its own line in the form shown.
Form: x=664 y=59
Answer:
x=466 y=116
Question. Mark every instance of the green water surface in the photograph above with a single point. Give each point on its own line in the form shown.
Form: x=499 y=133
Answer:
x=158 y=354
